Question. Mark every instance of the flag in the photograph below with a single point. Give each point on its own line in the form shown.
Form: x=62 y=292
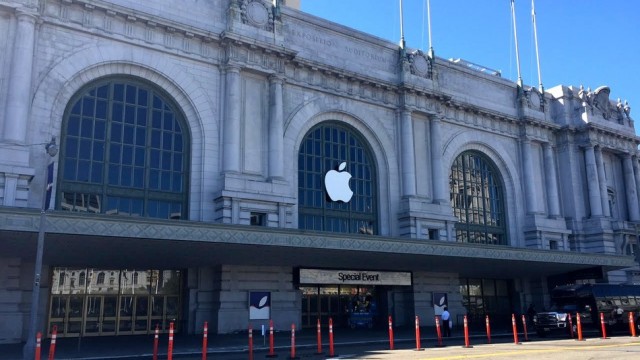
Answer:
x=47 y=200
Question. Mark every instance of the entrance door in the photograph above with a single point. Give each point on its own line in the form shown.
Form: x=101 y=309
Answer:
x=93 y=316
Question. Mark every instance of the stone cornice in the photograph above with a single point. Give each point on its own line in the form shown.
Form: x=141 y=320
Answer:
x=119 y=22
x=27 y=220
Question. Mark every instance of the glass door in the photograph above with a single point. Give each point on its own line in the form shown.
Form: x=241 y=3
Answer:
x=93 y=316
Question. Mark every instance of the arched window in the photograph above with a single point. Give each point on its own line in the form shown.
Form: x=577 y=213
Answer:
x=477 y=200
x=124 y=150
x=324 y=148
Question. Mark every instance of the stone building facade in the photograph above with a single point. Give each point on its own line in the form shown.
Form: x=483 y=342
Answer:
x=195 y=138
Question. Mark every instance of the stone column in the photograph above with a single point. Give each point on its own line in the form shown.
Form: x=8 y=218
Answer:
x=19 y=83
x=630 y=187
x=593 y=185
x=276 y=135
x=437 y=173
x=603 y=183
x=529 y=184
x=231 y=132
x=407 y=153
x=551 y=181
x=636 y=171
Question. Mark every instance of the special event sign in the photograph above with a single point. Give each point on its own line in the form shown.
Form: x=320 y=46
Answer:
x=354 y=277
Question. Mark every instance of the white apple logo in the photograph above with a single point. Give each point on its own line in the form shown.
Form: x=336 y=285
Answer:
x=337 y=184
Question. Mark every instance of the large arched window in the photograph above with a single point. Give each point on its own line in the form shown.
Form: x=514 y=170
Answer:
x=324 y=148
x=477 y=200
x=124 y=151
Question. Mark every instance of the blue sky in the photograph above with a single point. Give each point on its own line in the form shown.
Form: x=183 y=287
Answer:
x=588 y=42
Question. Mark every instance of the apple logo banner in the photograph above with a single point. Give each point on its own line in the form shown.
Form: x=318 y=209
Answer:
x=259 y=305
x=337 y=184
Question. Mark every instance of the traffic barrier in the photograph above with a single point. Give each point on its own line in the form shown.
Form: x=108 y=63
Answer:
x=170 y=349
x=271 y=353
x=319 y=335
x=524 y=326
x=486 y=320
x=438 y=331
x=331 y=349
x=515 y=330
x=632 y=326
x=579 y=325
x=52 y=347
x=570 y=326
x=418 y=348
x=204 y=341
x=38 y=345
x=250 y=331
x=390 y=333
x=466 y=333
x=603 y=327
x=293 y=342
x=155 y=343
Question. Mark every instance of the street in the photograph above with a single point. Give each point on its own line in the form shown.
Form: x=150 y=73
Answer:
x=622 y=347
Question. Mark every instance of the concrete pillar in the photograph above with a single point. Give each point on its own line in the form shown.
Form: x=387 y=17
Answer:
x=408 y=154
x=276 y=134
x=529 y=184
x=593 y=185
x=440 y=195
x=630 y=187
x=18 y=103
x=551 y=181
x=604 y=196
x=231 y=132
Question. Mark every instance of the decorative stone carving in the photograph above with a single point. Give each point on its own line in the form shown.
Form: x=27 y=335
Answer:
x=419 y=64
x=257 y=13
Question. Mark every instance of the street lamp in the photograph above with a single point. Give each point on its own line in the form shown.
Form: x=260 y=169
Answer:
x=30 y=346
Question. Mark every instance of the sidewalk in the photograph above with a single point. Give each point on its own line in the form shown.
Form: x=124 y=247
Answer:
x=141 y=346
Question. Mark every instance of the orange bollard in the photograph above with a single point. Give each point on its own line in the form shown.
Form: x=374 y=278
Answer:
x=418 y=348
x=331 y=352
x=390 y=333
x=466 y=333
x=293 y=341
x=271 y=347
x=515 y=329
x=438 y=331
x=52 y=347
x=632 y=326
x=250 y=342
x=319 y=335
x=524 y=326
x=579 y=325
x=204 y=341
x=170 y=349
x=570 y=326
x=155 y=343
x=603 y=327
x=38 y=345
x=486 y=320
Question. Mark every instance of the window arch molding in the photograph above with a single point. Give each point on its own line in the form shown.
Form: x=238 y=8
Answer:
x=125 y=149
x=380 y=142
x=324 y=147
x=478 y=200
x=88 y=65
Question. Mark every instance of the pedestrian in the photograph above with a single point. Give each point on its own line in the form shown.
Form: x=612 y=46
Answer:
x=531 y=312
x=446 y=322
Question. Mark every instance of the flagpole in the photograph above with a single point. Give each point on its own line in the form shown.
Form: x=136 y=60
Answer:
x=402 y=44
x=535 y=37
x=431 y=53
x=515 y=34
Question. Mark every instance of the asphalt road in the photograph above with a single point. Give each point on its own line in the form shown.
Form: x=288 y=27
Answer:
x=622 y=347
